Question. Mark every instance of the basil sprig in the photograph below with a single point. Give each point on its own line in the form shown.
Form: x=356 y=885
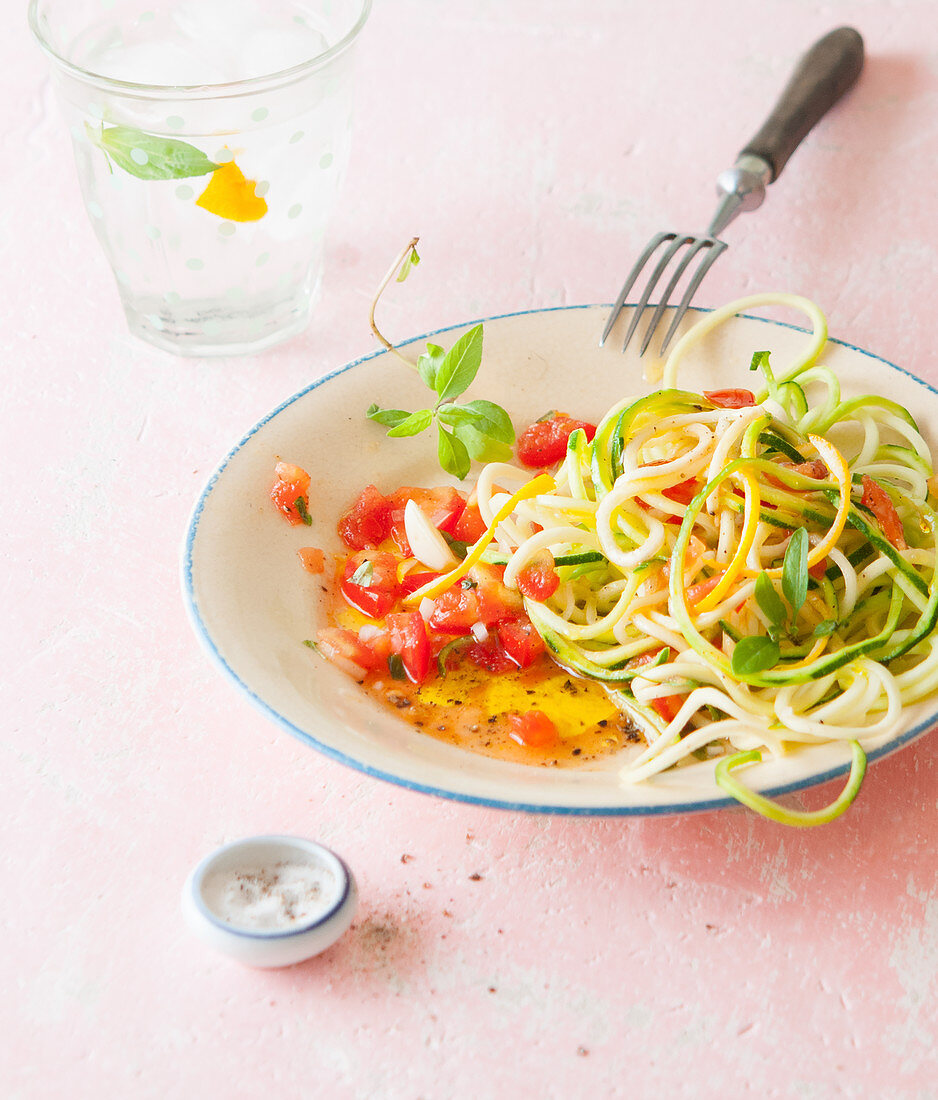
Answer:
x=465 y=431
x=472 y=430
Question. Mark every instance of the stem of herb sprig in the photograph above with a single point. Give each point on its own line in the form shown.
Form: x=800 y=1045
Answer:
x=405 y=260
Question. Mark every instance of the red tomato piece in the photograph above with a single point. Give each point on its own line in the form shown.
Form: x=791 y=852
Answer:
x=490 y=655
x=313 y=559
x=368 y=522
x=442 y=506
x=730 y=399
x=538 y=580
x=344 y=650
x=455 y=611
x=520 y=641
x=696 y=592
x=667 y=706
x=684 y=492
x=377 y=588
x=818 y=570
x=470 y=526
x=413 y=581
x=290 y=492
x=408 y=635
x=533 y=729
x=544 y=442
x=880 y=504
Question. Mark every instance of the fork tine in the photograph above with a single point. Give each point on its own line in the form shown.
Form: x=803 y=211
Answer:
x=708 y=261
x=632 y=276
x=695 y=246
x=651 y=283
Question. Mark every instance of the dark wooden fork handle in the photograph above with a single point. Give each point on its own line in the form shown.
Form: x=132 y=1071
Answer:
x=823 y=76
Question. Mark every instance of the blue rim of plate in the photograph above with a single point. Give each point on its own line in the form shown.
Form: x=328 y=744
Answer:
x=613 y=810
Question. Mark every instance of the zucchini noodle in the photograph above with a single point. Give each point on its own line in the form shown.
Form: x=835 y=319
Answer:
x=671 y=534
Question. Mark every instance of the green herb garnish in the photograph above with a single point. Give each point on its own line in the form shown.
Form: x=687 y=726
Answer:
x=363 y=575
x=754 y=653
x=795 y=571
x=396 y=667
x=303 y=511
x=149 y=156
x=477 y=429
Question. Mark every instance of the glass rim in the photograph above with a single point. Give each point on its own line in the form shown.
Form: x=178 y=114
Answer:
x=226 y=89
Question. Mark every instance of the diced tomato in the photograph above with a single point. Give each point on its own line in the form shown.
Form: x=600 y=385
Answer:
x=696 y=592
x=684 y=492
x=313 y=559
x=413 y=581
x=344 y=650
x=538 y=580
x=520 y=641
x=368 y=522
x=814 y=468
x=408 y=634
x=730 y=399
x=377 y=589
x=667 y=706
x=490 y=655
x=442 y=506
x=455 y=611
x=818 y=570
x=470 y=526
x=544 y=442
x=290 y=492
x=880 y=504
x=533 y=729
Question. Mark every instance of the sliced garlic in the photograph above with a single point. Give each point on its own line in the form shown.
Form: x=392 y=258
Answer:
x=426 y=543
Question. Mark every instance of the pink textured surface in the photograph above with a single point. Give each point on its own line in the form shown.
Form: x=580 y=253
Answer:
x=534 y=147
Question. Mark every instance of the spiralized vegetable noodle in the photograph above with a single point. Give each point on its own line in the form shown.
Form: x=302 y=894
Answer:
x=687 y=587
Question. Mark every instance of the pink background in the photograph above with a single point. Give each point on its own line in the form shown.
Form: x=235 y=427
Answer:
x=534 y=147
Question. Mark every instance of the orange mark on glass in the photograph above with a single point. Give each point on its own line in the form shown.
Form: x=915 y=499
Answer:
x=231 y=196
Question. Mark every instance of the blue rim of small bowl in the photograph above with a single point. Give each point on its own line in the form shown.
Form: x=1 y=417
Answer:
x=299 y=844
x=609 y=810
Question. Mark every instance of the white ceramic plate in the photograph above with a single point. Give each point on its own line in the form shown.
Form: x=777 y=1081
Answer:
x=252 y=604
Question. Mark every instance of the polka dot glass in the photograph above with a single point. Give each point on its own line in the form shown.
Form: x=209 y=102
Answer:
x=210 y=141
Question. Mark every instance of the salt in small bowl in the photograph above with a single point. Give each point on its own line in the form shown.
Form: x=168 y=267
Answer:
x=251 y=868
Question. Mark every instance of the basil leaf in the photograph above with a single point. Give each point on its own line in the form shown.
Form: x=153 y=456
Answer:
x=459 y=548
x=769 y=600
x=363 y=575
x=490 y=419
x=452 y=453
x=390 y=418
x=482 y=447
x=300 y=505
x=312 y=645
x=795 y=570
x=828 y=626
x=410 y=262
x=460 y=365
x=414 y=424
x=149 y=157
x=429 y=364
x=754 y=653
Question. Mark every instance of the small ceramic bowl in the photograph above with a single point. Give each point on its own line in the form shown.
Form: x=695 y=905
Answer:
x=265 y=932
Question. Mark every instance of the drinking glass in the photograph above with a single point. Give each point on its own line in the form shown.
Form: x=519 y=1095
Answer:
x=210 y=137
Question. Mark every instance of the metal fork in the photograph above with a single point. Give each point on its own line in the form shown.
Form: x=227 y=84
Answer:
x=823 y=76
